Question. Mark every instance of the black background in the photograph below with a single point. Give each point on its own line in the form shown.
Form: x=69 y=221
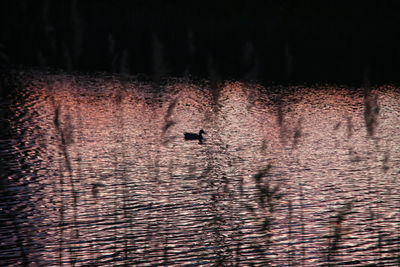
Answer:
x=282 y=42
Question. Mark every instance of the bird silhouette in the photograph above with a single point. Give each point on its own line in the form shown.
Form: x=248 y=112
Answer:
x=194 y=136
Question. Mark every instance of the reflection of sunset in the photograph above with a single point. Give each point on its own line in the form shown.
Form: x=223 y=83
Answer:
x=110 y=180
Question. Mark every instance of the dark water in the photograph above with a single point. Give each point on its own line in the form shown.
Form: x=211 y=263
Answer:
x=98 y=174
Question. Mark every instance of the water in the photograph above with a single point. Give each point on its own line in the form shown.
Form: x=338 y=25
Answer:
x=97 y=173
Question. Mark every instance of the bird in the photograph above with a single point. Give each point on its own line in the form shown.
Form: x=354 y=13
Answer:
x=194 y=136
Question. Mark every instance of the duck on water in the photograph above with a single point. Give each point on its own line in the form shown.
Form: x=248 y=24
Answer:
x=194 y=136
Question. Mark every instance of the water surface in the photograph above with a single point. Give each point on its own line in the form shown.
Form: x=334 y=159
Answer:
x=98 y=174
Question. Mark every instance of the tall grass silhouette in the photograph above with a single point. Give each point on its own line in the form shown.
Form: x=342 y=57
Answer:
x=64 y=132
x=337 y=232
x=371 y=112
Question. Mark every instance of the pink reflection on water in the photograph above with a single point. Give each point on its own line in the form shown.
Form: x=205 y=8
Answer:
x=273 y=183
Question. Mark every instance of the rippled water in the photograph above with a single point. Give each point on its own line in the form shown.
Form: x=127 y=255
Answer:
x=96 y=173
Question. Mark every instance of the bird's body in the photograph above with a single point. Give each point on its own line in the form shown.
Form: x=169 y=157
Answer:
x=194 y=136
